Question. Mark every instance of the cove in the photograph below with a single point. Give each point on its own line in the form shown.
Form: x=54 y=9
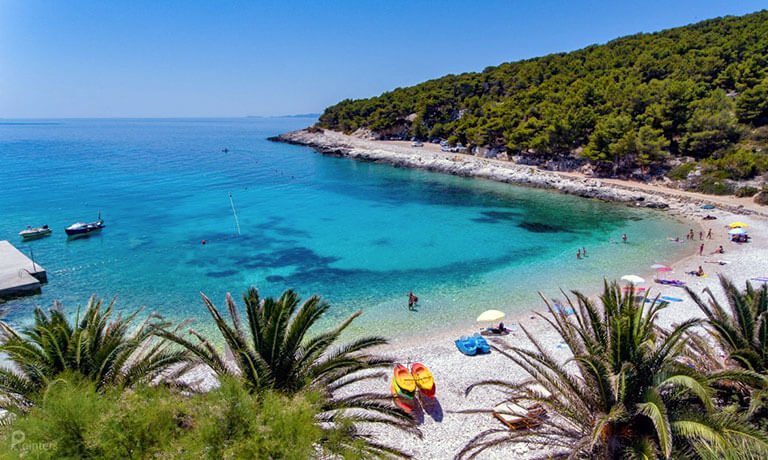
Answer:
x=361 y=234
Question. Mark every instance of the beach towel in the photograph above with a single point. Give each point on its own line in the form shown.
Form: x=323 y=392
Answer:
x=671 y=299
x=666 y=299
x=671 y=282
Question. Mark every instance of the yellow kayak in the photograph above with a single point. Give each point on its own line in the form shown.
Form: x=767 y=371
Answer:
x=404 y=379
x=424 y=379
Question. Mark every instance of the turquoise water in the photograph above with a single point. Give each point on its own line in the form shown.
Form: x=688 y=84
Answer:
x=360 y=234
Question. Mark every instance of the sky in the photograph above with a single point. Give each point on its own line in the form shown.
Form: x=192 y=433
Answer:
x=96 y=58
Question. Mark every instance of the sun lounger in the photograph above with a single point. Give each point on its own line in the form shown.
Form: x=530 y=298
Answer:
x=517 y=417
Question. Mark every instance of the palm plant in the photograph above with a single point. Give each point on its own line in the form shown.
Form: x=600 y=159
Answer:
x=626 y=393
x=741 y=329
x=102 y=349
x=271 y=351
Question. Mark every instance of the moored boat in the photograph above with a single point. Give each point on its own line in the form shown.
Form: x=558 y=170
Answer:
x=79 y=229
x=32 y=233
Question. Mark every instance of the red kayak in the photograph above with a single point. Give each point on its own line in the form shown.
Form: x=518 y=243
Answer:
x=402 y=399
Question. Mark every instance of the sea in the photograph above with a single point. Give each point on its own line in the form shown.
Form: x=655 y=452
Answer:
x=211 y=206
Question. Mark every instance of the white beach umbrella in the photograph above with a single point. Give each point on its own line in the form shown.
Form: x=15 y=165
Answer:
x=737 y=231
x=634 y=279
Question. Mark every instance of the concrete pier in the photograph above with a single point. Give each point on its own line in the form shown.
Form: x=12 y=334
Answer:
x=19 y=276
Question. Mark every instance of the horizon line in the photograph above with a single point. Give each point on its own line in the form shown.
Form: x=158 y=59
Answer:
x=299 y=115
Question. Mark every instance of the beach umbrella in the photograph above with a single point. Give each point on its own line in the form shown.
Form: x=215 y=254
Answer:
x=737 y=224
x=664 y=269
x=634 y=279
x=491 y=315
x=657 y=267
x=737 y=231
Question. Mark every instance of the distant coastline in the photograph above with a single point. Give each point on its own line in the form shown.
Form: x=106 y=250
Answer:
x=401 y=154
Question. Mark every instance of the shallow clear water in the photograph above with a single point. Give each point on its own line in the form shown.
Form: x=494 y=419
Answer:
x=360 y=234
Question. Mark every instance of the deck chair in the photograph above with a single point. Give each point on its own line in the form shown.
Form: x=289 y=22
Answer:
x=517 y=417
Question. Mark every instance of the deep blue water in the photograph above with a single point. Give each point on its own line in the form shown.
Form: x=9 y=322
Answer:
x=360 y=234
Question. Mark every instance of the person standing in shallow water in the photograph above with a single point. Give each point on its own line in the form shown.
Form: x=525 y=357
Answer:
x=624 y=237
x=412 y=300
x=578 y=254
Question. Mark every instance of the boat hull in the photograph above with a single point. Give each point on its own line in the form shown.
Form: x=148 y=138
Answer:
x=36 y=235
x=401 y=399
x=85 y=230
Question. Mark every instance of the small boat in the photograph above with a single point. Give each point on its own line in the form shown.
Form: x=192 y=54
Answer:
x=466 y=345
x=404 y=379
x=80 y=229
x=424 y=379
x=482 y=344
x=402 y=400
x=34 y=233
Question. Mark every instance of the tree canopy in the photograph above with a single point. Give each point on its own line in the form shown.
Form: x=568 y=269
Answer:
x=696 y=90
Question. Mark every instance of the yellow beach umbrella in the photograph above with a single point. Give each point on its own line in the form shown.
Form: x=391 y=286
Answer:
x=737 y=224
x=491 y=315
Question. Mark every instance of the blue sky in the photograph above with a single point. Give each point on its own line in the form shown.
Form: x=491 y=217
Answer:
x=234 y=58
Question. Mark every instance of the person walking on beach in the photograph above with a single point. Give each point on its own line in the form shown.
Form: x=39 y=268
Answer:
x=701 y=249
x=701 y=236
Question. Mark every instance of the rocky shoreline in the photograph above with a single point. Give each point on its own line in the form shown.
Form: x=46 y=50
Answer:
x=337 y=144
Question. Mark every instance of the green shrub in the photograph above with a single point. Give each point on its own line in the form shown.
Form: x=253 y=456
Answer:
x=746 y=191
x=713 y=186
x=233 y=423
x=58 y=428
x=762 y=198
x=681 y=172
x=739 y=163
x=75 y=421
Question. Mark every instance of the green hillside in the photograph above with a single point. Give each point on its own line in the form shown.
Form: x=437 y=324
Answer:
x=699 y=91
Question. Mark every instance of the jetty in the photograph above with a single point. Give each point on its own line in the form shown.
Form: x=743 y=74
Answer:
x=19 y=275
